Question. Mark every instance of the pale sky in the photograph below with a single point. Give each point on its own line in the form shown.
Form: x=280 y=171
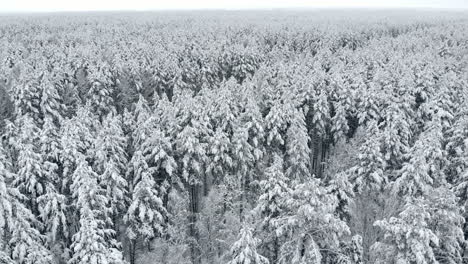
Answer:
x=98 y=5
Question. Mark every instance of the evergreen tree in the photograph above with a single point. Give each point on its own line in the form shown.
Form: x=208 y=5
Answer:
x=408 y=237
x=93 y=242
x=271 y=206
x=111 y=161
x=100 y=94
x=244 y=250
x=51 y=102
x=31 y=179
x=146 y=215
x=310 y=224
x=369 y=173
x=297 y=149
x=19 y=239
x=423 y=170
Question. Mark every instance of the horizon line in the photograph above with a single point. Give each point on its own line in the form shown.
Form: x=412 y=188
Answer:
x=298 y=8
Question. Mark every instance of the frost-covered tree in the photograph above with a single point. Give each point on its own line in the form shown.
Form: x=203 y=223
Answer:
x=27 y=94
x=271 y=206
x=159 y=155
x=297 y=148
x=321 y=113
x=276 y=123
x=447 y=224
x=248 y=149
x=310 y=225
x=93 y=242
x=408 y=237
x=146 y=215
x=111 y=161
x=369 y=173
x=19 y=239
x=423 y=170
x=31 y=176
x=191 y=149
x=244 y=250
x=100 y=94
x=51 y=101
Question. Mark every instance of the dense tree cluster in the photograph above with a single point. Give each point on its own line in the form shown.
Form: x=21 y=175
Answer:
x=230 y=137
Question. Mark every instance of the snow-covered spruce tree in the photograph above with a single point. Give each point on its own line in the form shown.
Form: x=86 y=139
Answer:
x=93 y=242
x=430 y=201
x=191 y=149
x=320 y=113
x=339 y=123
x=368 y=178
x=141 y=116
x=27 y=94
x=397 y=131
x=146 y=214
x=20 y=241
x=220 y=154
x=423 y=170
x=110 y=162
x=408 y=237
x=369 y=174
x=52 y=203
x=247 y=149
x=100 y=94
x=310 y=225
x=31 y=177
x=276 y=124
x=271 y=206
x=457 y=156
x=244 y=250
x=158 y=152
x=297 y=148
x=447 y=224
x=457 y=145
x=51 y=104
x=77 y=135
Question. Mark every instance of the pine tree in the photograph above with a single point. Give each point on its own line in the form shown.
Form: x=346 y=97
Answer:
x=142 y=120
x=146 y=214
x=447 y=224
x=93 y=242
x=310 y=223
x=24 y=243
x=27 y=95
x=408 y=237
x=397 y=131
x=247 y=150
x=369 y=173
x=339 y=123
x=31 y=179
x=423 y=170
x=191 y=148
x=52 y=203
x=111 y=161
x=297 y=149
x=321 y=113
x=159 y=155
x=244 y=250
x=271 y=205
x=276 y=123
x=51 y=102
x=100 y=94
x=221 y=161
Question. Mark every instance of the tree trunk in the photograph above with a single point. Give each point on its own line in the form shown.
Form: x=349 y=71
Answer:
x=193 y=232
x=132 y=251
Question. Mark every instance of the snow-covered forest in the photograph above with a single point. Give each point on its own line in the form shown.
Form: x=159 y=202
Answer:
x=234 y=137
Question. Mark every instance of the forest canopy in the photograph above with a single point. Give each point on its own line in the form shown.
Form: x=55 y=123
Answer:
x=234 y=137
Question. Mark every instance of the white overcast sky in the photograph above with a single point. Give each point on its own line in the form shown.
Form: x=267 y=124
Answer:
x=97 y=5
